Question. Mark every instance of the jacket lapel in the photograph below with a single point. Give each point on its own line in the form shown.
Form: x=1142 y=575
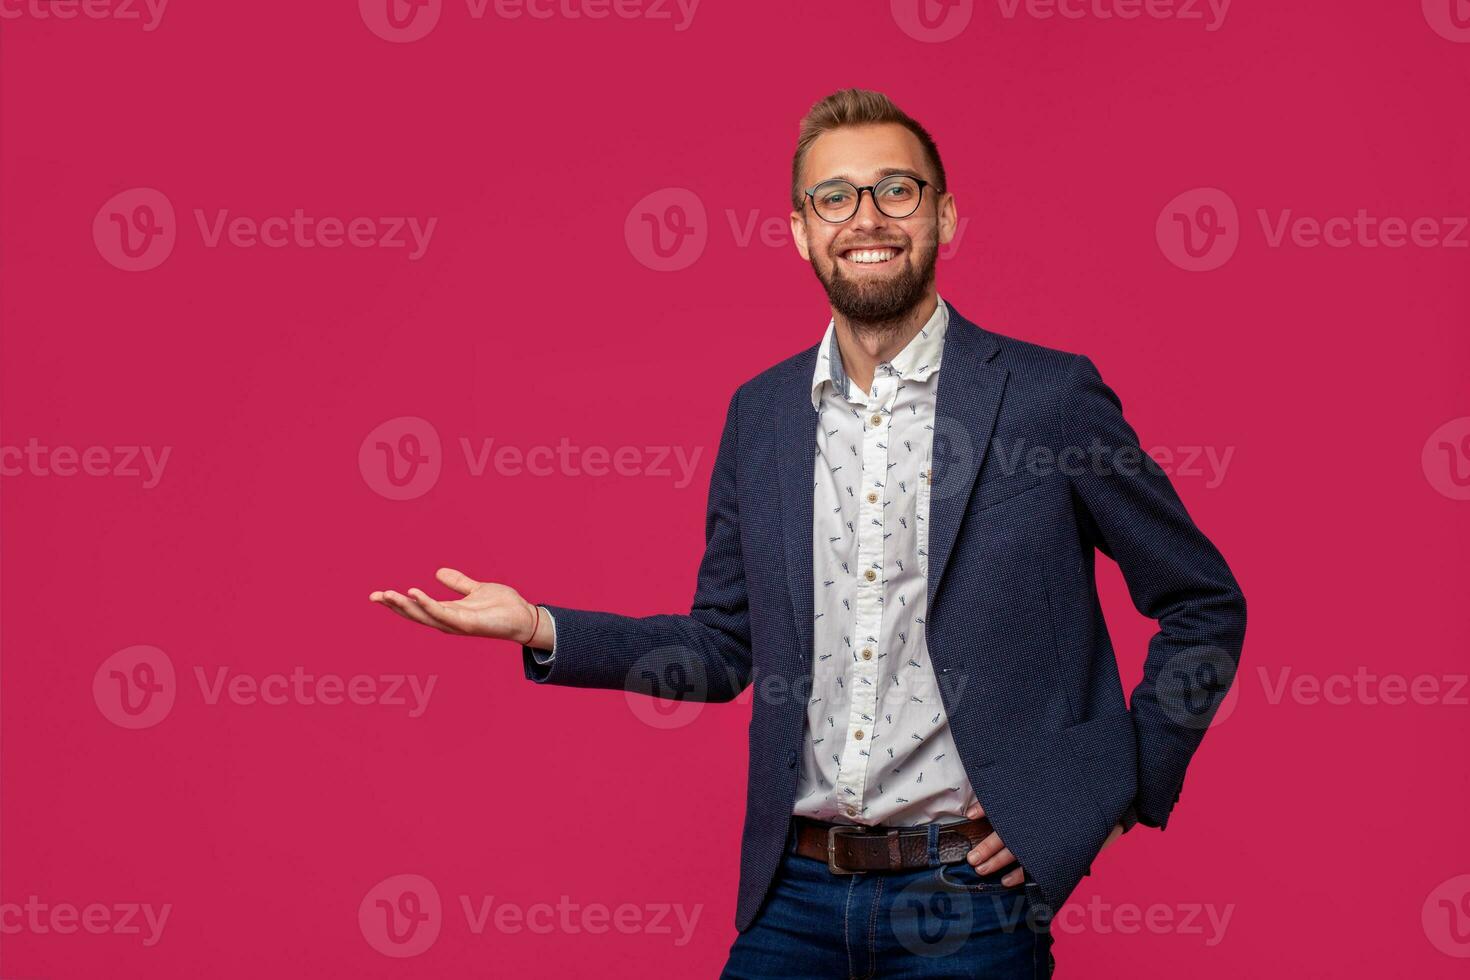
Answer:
x=966 y=404
x=968 y=400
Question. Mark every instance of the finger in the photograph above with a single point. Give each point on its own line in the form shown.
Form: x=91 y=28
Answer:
x=1015 y=877
x=408 y=609
x=975 y=810
x=457 y=580
x=453 y=620
x=984 y=849
x=1002 y=859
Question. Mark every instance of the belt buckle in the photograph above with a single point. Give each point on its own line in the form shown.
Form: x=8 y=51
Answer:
x=832 y=865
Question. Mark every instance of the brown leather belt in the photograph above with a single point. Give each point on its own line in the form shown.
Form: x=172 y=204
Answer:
x=850 y=848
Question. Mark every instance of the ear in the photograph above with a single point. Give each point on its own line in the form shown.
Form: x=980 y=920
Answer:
x=948 y=218
x=798 y=234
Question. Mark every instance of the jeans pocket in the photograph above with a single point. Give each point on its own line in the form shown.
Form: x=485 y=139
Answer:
x=963 y=876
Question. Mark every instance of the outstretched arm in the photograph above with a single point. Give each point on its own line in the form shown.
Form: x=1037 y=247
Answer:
x=704 y=656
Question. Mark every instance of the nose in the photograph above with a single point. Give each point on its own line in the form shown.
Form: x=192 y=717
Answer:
x=868 y=215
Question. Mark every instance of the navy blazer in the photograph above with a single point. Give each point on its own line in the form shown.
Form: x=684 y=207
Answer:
x=1035 y=471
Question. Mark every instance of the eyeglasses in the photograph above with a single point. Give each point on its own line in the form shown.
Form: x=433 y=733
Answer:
x=897 y=196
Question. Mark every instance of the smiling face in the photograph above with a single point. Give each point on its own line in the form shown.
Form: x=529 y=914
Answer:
x=874 y=268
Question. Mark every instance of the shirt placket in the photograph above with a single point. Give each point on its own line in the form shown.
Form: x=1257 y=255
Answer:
x=877 y=415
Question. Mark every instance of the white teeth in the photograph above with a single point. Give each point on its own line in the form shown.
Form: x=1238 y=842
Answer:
x=872 y=255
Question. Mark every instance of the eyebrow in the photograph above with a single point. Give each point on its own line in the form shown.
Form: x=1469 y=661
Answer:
x=885 y=172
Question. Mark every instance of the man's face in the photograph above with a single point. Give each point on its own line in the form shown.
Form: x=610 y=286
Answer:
x=874 y=268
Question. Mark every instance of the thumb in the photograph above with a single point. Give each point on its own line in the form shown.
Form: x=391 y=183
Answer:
x=456 y=580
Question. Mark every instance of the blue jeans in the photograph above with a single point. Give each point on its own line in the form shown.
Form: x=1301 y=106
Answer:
x=943 y=921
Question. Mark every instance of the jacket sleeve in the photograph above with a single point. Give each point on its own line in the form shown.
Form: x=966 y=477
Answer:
x=704 y=656
x=1129 y=509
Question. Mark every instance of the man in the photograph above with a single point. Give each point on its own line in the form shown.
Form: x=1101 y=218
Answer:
x=900 y=543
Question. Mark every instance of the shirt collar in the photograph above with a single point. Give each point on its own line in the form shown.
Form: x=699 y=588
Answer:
x=919 y=358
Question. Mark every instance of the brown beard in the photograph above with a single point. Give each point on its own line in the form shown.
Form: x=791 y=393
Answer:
x=878 y=304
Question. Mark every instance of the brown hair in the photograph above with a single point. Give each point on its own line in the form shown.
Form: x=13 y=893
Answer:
x=856 y=107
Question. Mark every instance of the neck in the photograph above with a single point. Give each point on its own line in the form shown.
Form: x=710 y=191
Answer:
x=866 y=344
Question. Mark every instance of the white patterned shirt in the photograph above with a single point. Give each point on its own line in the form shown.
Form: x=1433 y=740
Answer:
x=878 y=748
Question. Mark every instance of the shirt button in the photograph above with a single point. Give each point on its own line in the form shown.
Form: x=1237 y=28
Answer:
x=858 y=733
x=872 y=496
x=867 y=653
x=870 y=575
x=876 y=420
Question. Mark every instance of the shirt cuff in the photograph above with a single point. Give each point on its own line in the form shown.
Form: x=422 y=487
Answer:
x=546 y=656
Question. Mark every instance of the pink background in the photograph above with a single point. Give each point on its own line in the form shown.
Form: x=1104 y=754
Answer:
x=1332 y=834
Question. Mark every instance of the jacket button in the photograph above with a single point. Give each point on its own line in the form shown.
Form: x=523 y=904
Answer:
x=791 y=759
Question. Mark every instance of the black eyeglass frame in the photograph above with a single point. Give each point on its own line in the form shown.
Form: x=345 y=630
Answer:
x=872 y=189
